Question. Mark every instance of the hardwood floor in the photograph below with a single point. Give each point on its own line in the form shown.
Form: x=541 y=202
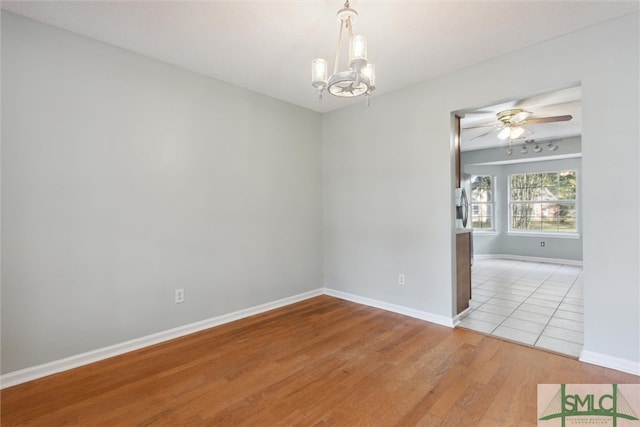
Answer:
x=321 y=362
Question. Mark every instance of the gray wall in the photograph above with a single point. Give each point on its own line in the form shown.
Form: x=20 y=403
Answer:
x=124 y=178
x=502 y=243
x=388 y=179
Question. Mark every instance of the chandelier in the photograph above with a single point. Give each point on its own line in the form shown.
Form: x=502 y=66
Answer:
x=360 y=78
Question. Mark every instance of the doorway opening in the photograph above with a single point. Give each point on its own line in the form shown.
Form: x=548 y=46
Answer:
x=522 y=159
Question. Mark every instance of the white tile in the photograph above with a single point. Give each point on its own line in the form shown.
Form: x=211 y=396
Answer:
x=552 y=291
x=523 y=325
x=510 y=297
x=491 y=287
x=518 y=292
x=537 y=308
x=479 y=298
x=486 y=317
x=570 y=269
x=483 y=292
x=477 y=325
x=575 y=294
x=562 y=314
x=475 y=304
x=515 y=335
x=531 y=317
x=574 y=301
x=529 y=282
x=560 y=346
x=526 y=288
x=543 y=302
x=563 y=278
x=563 y=334
x=535 y=275
x=547 y=297
x=571 y=307
x=572 y=325
x=495 y=309
x=503 y=302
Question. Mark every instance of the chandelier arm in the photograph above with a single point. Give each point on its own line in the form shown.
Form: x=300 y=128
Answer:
x=335 y=64
x=350 y=27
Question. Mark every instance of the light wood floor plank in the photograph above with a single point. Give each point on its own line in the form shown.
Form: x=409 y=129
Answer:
x=320 y=362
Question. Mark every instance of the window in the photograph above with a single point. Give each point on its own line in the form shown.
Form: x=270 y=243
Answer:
x=482 y=203
x=543 y=202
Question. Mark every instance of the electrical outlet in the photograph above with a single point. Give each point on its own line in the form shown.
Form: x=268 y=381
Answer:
x=542 y=244
x=400 y=279
x=179 y=295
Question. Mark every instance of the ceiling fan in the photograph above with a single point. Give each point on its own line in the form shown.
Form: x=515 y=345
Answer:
x=511 y=124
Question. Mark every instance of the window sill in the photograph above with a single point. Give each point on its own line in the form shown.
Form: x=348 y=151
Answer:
x=485 y=233
x=537 y=234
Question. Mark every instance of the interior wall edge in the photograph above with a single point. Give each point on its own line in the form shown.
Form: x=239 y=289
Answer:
x=394 y=308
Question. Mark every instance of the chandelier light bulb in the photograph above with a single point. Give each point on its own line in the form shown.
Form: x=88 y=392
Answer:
x=358 y=52
x=370 y=73
x=319 y=73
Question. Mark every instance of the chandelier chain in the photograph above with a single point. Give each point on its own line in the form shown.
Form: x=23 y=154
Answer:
x=338 y=49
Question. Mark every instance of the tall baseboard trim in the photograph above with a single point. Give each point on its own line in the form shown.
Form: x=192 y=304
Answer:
x=407 y=311
x=611 y=362
x=529 y=258
x=39 y=371
x=32 y=373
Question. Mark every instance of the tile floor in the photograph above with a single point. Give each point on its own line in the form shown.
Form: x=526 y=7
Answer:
x=534 y=303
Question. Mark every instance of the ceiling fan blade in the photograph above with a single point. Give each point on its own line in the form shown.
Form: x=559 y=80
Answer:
x=564 y=118
x=480 y=126
x=481 y=135
x=520 y=117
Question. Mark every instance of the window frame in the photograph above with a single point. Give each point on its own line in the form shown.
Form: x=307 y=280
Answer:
x=574 y=201
x=491 y=204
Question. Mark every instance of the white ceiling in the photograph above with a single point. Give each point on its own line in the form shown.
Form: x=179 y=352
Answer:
x=267 y=46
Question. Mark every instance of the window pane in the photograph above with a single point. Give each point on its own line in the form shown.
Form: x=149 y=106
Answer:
x=567 y=185
x=482 y=202
x=549 y=225
x=481 y=188
x=533 y=201
x=548 y=210
x=566 y=210
x=567 y=225
x=487 y=223
x=525 y=193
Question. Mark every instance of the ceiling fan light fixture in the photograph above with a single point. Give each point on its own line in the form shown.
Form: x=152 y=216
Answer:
x=516 y=132
x=504 y=133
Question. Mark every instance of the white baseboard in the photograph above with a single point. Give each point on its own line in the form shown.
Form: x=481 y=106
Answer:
x=39 y=371
x=529 y=258
x=411 y=312
x=611 y=362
